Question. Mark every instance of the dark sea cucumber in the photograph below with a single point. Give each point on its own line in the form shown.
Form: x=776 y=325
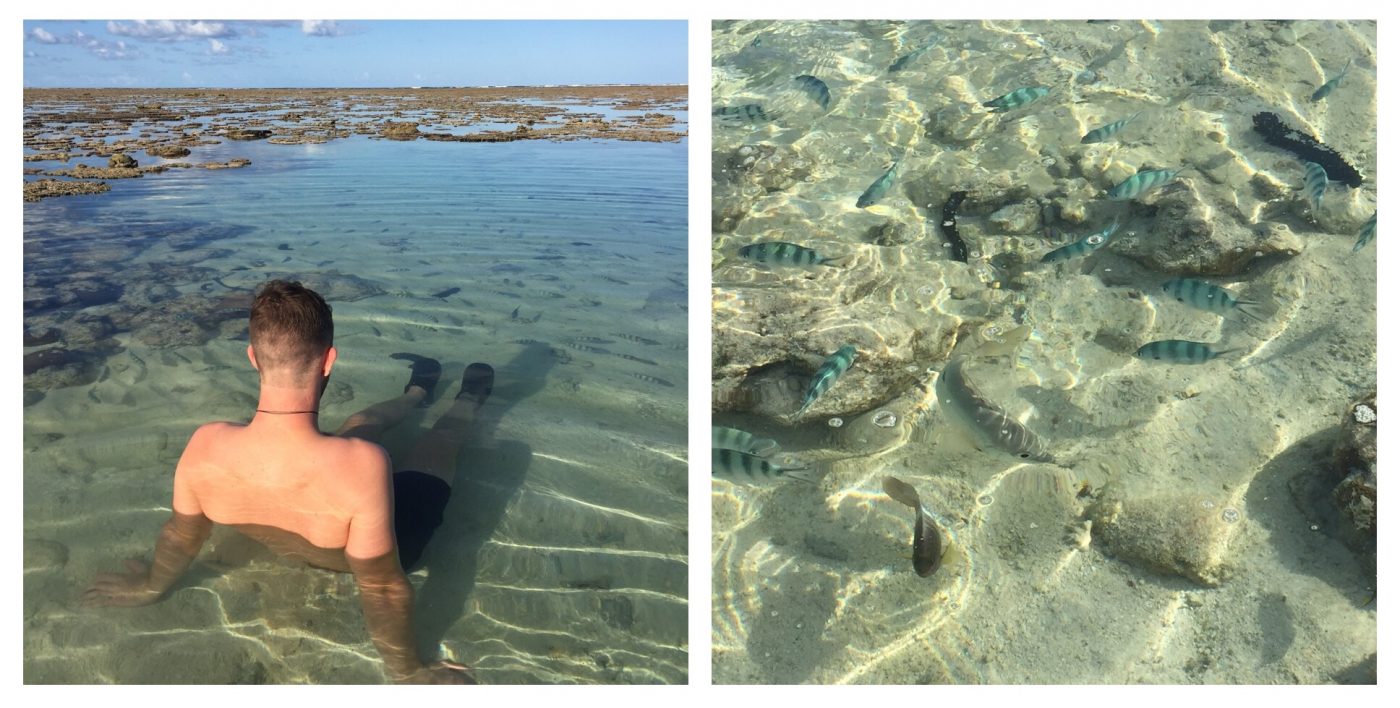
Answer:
x=950 y=225
x=1305 y=146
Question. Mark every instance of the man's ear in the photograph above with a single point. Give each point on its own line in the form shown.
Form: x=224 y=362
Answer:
x=326 y=367
x=252 y=357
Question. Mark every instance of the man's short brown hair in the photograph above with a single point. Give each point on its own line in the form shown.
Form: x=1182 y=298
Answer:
x=290 y=327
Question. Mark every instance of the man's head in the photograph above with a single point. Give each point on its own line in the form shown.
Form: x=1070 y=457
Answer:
x=289 y=335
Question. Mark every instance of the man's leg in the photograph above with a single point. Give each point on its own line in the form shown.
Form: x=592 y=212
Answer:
x=436 y=452
x=370 y=423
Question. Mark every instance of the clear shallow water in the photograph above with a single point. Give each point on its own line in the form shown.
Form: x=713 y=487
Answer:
x=563 y=556
x=1214 y=554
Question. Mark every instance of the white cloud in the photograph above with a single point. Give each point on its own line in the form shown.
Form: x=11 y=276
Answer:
x=171 y=30
x=321 y=28
x=43 y=35
x=217 y=47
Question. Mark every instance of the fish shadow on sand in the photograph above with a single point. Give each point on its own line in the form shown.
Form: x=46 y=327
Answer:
x=490 y=473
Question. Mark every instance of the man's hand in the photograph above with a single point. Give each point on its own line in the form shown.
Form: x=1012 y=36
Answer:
x=122 y=589
x=440 y=673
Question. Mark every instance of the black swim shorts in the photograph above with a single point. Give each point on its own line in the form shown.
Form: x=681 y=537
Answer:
x=419 y=499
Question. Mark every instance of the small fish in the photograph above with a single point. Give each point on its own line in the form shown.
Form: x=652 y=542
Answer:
x=734 y=465
x=1368 y=232
x=650 y=379
x=749 y=111
x=1211 y=298
x=580 y=243
x=816 y=89
x=619 y=281
x=827 y=373
x=877 y=189
x=1102 y=133
x=590 y=339
x=586 y=348
x=515 y=313
x=635 y=338
x=928 y=540
x=1326 y=88
x=445 y=293
x=987 y=422
x=733 y=439
x=1082 y=247
x=1141 y=182
x=637 y=359
x=284 y=247
x=904 y=61
x=1179 y=351
x=783 y=253
x=1017 y=98
x=1314 y=183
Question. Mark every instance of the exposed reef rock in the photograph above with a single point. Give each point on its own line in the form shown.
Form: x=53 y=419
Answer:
x=39 y=189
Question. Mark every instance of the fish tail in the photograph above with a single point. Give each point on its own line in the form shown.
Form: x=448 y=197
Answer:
x=1255 y=310
x=901 y=491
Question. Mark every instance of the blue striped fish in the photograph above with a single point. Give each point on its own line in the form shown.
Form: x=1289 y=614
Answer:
x=748 y=111
x=1326 y=88
x=1102 y=133
x=827 y=373
x=904 y=61
x=1141 y=182
x=877 y=189
x=816 y=88
x=1314 y=183
x=1017 y=98
x=1211 y=298
x=738 y=466
x=783 y=253
x=1368 y=232
x=1082 y=247
x=733 y=439
x=1179 y=351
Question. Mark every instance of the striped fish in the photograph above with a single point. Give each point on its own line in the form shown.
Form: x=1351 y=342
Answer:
x=1082 y=247
x=737 y=466
x=1326 y=88
x=1314 y=183
x=816 y=89
x=827 y=373
x=650 y=379
x=988 y=423
x=1211 y=298
x=635 y=338
x=928 y=541
x=748 y=111
x=904 y=61
x=1368 y=232
x=1100 y=134
x=1017 y=98
x=877 y=189
x=783 y=253
x=1179 y=351
x=1141 y=182
x=722 y=438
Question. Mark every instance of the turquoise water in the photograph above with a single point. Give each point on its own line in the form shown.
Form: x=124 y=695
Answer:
x=1176 y=522
x=563 y=557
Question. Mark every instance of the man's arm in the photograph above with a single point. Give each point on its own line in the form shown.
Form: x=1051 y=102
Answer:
x=180 y=540
x=385 y=593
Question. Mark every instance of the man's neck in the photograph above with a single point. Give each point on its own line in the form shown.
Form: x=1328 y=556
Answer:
x=288 y=408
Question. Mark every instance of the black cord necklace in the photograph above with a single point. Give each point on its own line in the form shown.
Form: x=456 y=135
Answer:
x=287 y=412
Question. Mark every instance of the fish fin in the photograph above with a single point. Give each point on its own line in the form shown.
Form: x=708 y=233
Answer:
x=1006 y=343
x=1257 y=311
x=955 y=439
x=809 y=474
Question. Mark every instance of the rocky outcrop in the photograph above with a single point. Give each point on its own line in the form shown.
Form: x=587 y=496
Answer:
x=168 y=151
x=1354 y=462
x=399 y=130
x=39 y=189
x=247 y=134
x=121 y=160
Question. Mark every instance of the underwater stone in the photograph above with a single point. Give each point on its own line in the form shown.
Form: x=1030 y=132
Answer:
x=1173 y=534
x=1190 y=237
x=1354 y=462
x=1020 y=218
x=891 y=233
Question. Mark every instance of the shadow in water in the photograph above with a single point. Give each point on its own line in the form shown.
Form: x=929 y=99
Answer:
x=489 y=474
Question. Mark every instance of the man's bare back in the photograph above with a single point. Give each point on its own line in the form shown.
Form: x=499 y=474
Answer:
x=295 y=491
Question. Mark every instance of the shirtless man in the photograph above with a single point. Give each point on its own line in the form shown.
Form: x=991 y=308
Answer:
x=329 y=501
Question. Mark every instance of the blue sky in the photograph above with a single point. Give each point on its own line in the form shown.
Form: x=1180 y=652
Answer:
x=362 y=53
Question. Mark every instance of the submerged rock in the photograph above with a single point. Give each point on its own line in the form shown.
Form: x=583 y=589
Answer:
x=1354 y=460
x=121 y=160
x=168 y=151
x=1187 y=534
x=1188 y=236
x=40 y=189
